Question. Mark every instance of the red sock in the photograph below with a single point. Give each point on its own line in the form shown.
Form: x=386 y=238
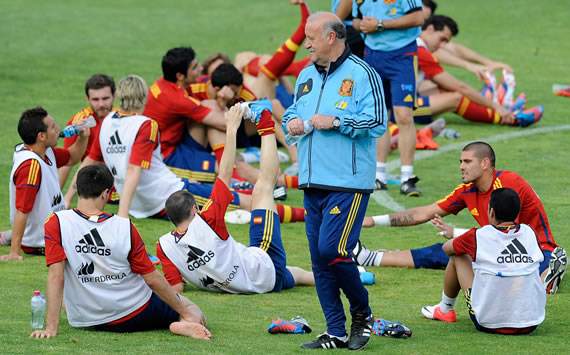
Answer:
x=295 y=68
x=478 y=113
x=218 y=152
x=266 y=125
x=252 y=68
x=291 y=182
x=288 y=214
x=281 y=59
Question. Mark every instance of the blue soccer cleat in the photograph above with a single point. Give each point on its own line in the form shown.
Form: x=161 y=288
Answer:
x=255 y=108
x=297 y=325
x=519 y=103
x=383 y=327
x=528 y=117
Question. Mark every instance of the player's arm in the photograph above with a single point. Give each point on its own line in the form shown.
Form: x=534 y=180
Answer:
x=233 y=118
x=449 y=83
x=18 y=228
x=170 y=271
x=410 y=217
x=444 y=56
x=466 y=243
x=344 y=9
x=54 y=300
x=369 y=24
x=131 y=182
x=191 y=108
x=77 y=149
x=469 y=55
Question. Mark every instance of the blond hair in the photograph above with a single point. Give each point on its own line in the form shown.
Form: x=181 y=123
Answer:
x=131 y=93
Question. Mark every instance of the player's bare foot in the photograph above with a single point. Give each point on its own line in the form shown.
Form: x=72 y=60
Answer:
x=194 y=330
x=368 y=222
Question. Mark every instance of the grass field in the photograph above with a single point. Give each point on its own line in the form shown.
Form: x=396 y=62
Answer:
x=49 y=48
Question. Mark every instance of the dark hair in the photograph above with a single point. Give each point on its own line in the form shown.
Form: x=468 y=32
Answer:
x=177 y=60
x=439 y=22
x=337 y=27
x=226 y=74
x=31 y=123
x=99 y=81
x=179 y=206
x=92 y=180
x=211 y=59
x=506 y=204
x=482 y=150
x=432 y=5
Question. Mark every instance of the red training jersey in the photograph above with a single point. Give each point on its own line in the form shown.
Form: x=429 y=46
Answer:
x=532 y=211
x=171 y=107
x=428 y=63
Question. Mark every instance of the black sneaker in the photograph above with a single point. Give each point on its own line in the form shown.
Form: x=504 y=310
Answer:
x=380 y=185
x=325 y=341
x=360 y=331
x=280 y=193
x=409 y=188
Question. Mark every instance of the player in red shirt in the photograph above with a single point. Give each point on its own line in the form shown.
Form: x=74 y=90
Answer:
x=161 y=308
x=100 y=93
x=448 y=94
x=480 y=178
x=34 y=185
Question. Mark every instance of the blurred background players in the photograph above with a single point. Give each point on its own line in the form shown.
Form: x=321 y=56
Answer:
x=391 y=29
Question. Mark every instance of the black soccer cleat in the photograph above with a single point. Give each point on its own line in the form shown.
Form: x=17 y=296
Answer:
x=409 y=188
x=380 y=185
x=360 y=331
x=325 y=341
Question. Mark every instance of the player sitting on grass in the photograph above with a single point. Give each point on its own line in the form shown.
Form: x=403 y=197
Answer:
x=497 y=268
x=99 y=267
x=448 y=94
x=480 y=178
x=201 y=251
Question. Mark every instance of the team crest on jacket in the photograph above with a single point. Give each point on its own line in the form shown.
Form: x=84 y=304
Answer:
x=346 y=87
x=304 y=88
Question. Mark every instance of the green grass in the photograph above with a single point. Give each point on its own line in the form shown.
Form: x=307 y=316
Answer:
x=49 y=48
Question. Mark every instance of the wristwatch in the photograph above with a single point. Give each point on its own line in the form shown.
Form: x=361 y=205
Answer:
x=336 y=123
x=380 y=26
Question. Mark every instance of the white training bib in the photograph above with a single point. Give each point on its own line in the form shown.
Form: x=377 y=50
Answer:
x=116 y=138
x=507 y=290
x=48 y=199
x=211 y=263
x=99 y=284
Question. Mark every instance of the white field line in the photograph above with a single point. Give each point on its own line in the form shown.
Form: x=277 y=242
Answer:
x=383 y=199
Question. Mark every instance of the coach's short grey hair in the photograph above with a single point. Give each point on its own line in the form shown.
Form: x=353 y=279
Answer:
x=334 y=25
x=131 y=93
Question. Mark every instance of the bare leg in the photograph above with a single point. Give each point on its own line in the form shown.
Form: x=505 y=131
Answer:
x=383 y=147
x=198 y=132
x=262 y=196
x=451 y=285
x=464 y=269
x=302 y=277
x=397 y=258
x=407 y=135
x=444 y=102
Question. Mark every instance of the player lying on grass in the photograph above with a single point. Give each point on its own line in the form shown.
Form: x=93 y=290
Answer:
x=99 y=268
x=202 y=252
x=448 y=94
x=480 y=178
x=129 y=145
x=496 y=266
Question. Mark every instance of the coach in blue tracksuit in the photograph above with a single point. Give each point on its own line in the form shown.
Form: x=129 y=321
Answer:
x=342 y=97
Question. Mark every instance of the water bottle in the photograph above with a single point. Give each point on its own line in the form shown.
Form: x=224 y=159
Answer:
x=74 y=129
x=38 y=310
x=450 y=133
x=366 y=277
x=307 y=128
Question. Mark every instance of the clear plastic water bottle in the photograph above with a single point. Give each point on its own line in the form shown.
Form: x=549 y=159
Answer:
x=74 y=129
x=450 y=133
x=307 y=128
x=38 y=310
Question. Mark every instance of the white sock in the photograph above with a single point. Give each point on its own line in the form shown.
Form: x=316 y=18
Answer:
x=381 y=172
x=343 y=339
x=367 y=257
x=447 y=303
x=406 y=172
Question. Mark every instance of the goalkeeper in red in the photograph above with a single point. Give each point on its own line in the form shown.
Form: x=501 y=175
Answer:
x=202 y=252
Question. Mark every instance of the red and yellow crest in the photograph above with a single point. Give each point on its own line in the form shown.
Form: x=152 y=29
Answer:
x=346 y=87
